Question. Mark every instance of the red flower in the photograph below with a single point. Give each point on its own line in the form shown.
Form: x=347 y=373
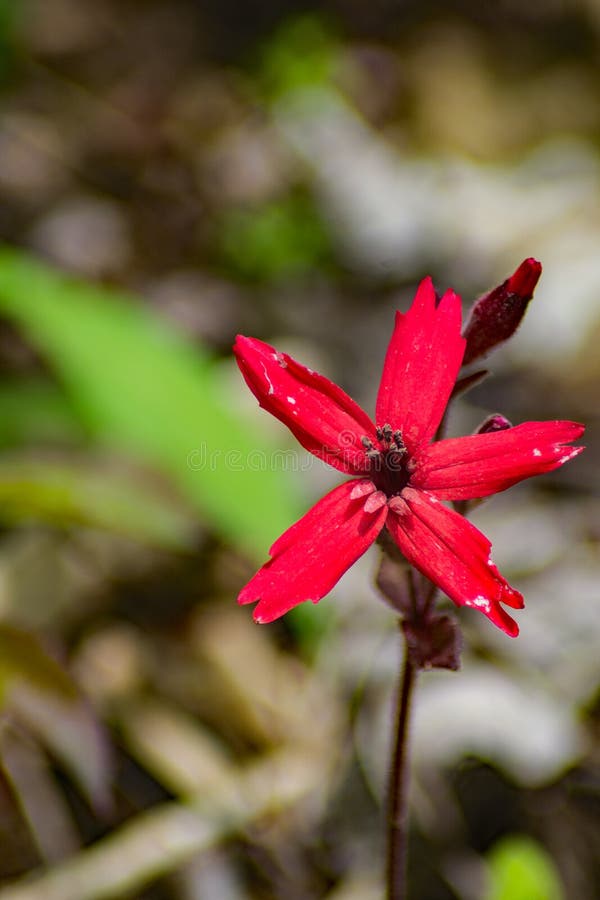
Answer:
x=399 y=478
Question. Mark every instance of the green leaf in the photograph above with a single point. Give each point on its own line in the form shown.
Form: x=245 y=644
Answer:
x=520 y=869
x=42 y=695
x=140 y=387
x=35 y=411
x=282 y=238
x=70 y=492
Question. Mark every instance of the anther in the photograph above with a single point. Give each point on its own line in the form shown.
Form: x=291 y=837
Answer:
x=366 y=442
x=387 y=432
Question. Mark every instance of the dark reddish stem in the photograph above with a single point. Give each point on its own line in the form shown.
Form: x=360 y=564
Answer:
x=398 y=787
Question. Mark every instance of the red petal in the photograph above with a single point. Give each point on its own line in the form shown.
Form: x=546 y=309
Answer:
x=453 y=554
x=483 y=464
x=375 y=501
x=312 y=555
x=323 y=418
x=421 y=365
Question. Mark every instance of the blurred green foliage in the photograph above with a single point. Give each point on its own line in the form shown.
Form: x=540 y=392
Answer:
x=70 y=493
x=9 y=11
x=520 y=869
x=22 y=658
x=139 y=387
x=284 y=238
x=34 y=410
x=301 y=54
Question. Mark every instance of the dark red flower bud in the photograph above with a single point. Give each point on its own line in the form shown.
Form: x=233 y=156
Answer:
x=496 y=422
x=496 y=316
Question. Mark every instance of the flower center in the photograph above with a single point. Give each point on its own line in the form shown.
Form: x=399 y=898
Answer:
x=388 y=463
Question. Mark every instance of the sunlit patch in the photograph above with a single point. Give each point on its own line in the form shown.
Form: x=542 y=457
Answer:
x=267 y=379
x=479 y=602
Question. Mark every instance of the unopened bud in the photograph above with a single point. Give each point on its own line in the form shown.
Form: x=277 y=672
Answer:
x=496 y=316
x=497 y=422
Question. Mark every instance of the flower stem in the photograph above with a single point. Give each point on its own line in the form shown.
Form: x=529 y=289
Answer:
x=398 y=787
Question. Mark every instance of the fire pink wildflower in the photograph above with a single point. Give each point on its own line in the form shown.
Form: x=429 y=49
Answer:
x=400 y=478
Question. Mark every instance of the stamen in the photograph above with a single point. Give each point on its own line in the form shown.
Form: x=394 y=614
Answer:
x=371 y=452
x=387 y=432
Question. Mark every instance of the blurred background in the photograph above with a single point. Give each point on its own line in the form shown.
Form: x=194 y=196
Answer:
x=172 y=173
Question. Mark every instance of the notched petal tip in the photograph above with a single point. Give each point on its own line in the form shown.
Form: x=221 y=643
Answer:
x=240 y=340
x=421 y=365
x=451 y=299
x=263 y=618
x=577 y=429
x=508 y=625
x=501 y=619
x=496 y=613
x=453 y=554
x=426 y=291
x=246 y=348
x=569 y=454
x=238 y=343
x=244 y=597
